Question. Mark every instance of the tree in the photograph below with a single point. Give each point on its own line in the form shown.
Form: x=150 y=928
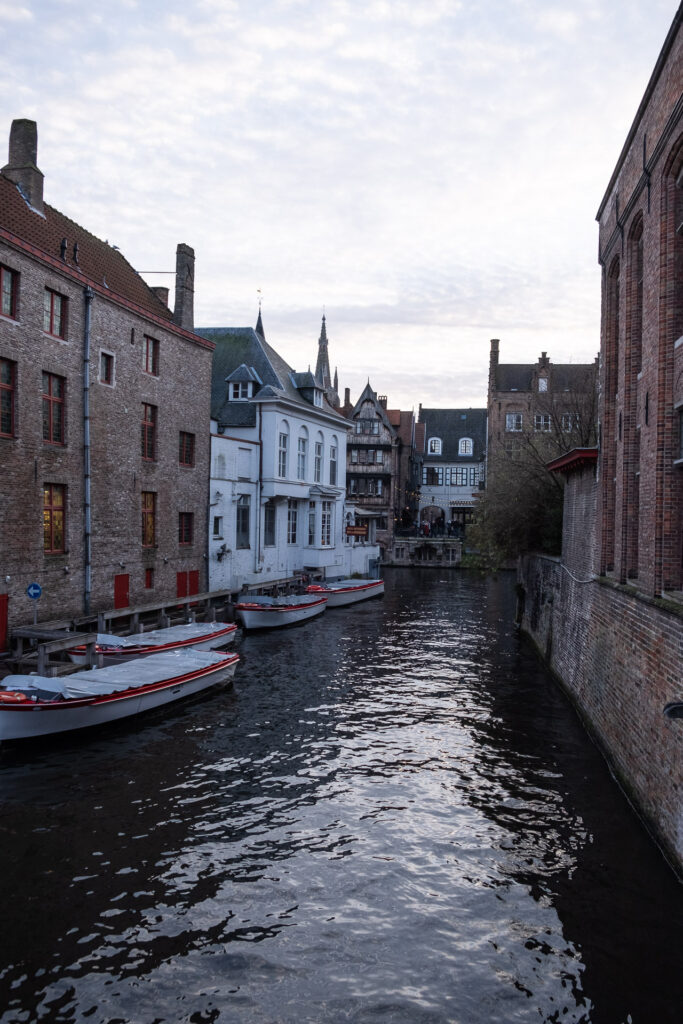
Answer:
x=521 y=508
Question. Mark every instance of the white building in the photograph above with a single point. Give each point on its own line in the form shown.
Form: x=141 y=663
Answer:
x=278 y=470
x=453 y=468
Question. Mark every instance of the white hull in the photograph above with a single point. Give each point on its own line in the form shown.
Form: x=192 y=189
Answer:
x=349 y=593
x=42 y=718
x=204 y=636
x=267 y=616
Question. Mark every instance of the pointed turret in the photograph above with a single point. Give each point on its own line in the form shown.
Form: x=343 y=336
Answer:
x=259 y=324
x=322 y=367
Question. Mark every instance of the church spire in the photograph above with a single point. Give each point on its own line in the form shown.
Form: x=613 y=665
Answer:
x=259 y=323
x=322 y=367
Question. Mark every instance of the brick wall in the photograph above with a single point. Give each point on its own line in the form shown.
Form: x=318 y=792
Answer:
x=618 y=654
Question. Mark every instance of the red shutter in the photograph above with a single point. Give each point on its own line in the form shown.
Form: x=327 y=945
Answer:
x=121 y=590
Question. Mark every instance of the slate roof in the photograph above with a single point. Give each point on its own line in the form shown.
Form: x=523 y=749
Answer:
x=100 y=262
x=243 y=346
x=369 y=395
x=450 y=425
x=561 y=376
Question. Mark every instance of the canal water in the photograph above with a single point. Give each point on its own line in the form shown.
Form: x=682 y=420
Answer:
x=394 y=816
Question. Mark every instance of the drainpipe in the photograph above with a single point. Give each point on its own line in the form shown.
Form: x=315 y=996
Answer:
x=257 y=553
x=88 y=295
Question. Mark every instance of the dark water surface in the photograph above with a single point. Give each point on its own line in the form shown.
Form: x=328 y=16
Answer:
x=394 y=816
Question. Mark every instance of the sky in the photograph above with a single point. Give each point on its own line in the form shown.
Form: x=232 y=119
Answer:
x=426 y=173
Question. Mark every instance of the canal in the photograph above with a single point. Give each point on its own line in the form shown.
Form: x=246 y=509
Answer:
x=394 y=816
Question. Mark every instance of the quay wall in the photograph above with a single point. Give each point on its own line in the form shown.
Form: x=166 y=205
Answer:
x=618 y=653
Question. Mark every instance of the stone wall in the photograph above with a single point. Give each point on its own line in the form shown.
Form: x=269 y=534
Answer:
x=618 y=654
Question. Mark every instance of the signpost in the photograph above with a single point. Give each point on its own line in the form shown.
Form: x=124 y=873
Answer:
x=34 y=590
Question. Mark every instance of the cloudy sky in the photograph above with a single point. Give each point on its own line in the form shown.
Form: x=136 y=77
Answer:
x=427 y=172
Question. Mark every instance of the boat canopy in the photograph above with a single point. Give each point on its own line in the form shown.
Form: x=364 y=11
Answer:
x=158 y=637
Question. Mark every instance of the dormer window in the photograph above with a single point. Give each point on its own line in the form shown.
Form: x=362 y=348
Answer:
x=434 y=446
x=318 y=398
x=465 y=447
x=240 y=390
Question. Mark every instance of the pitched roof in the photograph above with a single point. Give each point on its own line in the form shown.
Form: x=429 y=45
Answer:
x=450 y=425
x=561 y=376
x=100 y=262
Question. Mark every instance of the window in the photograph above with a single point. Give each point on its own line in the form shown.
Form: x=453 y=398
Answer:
x=240 y=390
x=243 y=516
x=353 y=485
x=186 y=449
x=149 y=500
x=326 y=524
x=354 y=456
x=150 y=355
x=291 y=521
x=380 y=457
x=367 y=426
x=149 y=431
x=54 y=313
x=474 y=476
x=434 y=446
x=301 y=459
x=185 y=527
x=282 y=455
x=465 y=446
x=311 y=522
x=513 y=421
x=318 y=462
x=9 y=289
x=459 y=476
x=542 y=383
x=570 y=421
x=542 y=422
x=333 y=464
x=218 y=526
x=54 y=508
x=53 y=408
x=106 y=368
x=149 y=579
x=432 y=476
x=7 y=392
x=318 y=398
x=269 y=513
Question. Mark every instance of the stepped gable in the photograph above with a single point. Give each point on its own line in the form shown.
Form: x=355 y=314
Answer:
x=96 y=260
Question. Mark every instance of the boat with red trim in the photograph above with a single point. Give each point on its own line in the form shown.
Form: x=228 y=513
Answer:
x=32 y=706
x=262 y=612
x=202 y=636
x=342 y=592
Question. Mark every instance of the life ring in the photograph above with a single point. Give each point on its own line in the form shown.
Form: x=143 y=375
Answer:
x=11 y=697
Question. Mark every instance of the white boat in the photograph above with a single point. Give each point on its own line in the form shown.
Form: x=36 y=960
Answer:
x=340 y=592
x=32 y=706
x=202 y=636
x=268 y=612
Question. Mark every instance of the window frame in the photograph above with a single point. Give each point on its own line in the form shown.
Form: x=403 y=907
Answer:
x=301 y=457
x=243 y=523
x=326 y=524
x=542 y=423
x=50 y=316
x=8 y=274
x=333 y=465
x=108 y=359
x=318 y=462
x=269 y=524
x=51 y=403
x=292 y=519
x=185 y=529
x=465 y=446
x=517 y=421
x=148 y=507
x=282 y=453
x=8 y=393
x=51 y=511
x=434 y=446
x=150 y=355
x=186 y=447
x=148 y=434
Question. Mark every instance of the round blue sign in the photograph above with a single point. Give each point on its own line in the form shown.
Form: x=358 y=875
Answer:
x=34 y=590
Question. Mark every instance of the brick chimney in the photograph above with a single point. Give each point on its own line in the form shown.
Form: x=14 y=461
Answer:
x=183 y=314
x=21 y=167
x=493 y=366
x=161 y=293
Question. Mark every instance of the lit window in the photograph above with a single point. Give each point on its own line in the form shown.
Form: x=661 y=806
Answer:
x=148 y=518
x=106 y=368
x=185 y=528
x=465 y=446
x=54 y=508
x=513 y=421
x=9 y=287
x=150 y=355
x=54 y=313
x=186 y=449
x=7 y=394
x=243 y=515
x=149 y=430
x=53 y=408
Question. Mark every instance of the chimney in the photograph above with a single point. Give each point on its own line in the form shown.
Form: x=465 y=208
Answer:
x=161 y=293
x=493 y=366
x=347 y=397
x=183 y=314
x=382 y=399
x=21 y=167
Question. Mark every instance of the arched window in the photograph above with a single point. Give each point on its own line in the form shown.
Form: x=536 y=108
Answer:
x=465 y=447
x=333 y=460
x=434 y=446
x=318 y=459
x=283 y=449
x=302 y=454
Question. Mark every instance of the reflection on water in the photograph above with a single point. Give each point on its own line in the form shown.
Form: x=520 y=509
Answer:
x=393 y=817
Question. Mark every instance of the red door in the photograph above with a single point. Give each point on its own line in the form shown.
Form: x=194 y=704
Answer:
x=121 y=592
x=4 y=605
x=187 y=584
x=181 y=583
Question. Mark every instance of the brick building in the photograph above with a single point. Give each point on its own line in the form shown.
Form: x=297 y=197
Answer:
x=609 y=614
x=104 y=432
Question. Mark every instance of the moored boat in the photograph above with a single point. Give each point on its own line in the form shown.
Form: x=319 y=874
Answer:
x=341 y=592
x=202 y=636
x=32 y=706
x=269 y=612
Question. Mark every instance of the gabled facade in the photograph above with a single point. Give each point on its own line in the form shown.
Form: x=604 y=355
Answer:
x=372 y=463
x=278 y=469
x=453 y=468
x=103 y=432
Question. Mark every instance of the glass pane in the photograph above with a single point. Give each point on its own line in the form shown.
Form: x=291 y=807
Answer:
x=47 y=532
x=46 y=419
x=47 y=305
x=57 y=530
